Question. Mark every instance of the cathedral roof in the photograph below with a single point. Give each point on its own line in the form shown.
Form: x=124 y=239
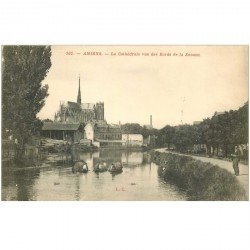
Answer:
x=73 y=105
x=87 y=105
x=60 y=126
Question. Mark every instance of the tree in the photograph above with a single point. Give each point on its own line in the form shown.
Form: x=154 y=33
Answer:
x=226 y=130
x=24 y=69
x=242 y=126
x=166 y=136
x=221 y=132
x=131 y=128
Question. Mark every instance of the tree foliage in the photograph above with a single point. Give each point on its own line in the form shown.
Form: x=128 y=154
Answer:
x=136 y=128
x=222 y=131
x=24 y=69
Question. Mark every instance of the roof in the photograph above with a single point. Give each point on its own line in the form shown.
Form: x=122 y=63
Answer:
x=197 y=122
x=60 y=126
x=219 y=113
x=101 y=123
x=114 y=125
x=108 y=128
x=132 y=135
x=73 y=105
x=87 y=105
x=90 y=123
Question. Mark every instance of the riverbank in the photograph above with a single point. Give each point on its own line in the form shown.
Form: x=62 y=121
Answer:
x=40 y=150
x=243 y=177
x=200 y=180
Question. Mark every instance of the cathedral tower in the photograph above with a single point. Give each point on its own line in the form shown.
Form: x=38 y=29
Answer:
x=99 y=109
x=79 y=99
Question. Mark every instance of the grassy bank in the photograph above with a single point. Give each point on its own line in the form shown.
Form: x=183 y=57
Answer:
x=200 y=181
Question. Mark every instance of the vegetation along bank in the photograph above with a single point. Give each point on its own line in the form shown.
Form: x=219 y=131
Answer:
x=200 y=180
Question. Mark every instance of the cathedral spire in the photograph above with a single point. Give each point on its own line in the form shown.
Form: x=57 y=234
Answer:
x=79 y=101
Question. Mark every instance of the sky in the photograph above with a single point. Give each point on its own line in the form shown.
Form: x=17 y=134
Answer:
x=174 y=84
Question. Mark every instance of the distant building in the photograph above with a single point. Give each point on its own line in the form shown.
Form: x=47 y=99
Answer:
x=197 y=122
x=110 y=135
x=132 y=140
x=78 y=112
x=219 y=113
x=85 y=123
x=63 y=131
x=108 y=132
x=103 y=133
x=89 y=131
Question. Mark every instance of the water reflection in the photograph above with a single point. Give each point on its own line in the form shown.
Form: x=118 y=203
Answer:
x=138 y=181
x=132 y=158
x=19 y=185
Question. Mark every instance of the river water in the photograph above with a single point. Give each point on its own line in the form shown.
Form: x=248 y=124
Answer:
x=54 y=180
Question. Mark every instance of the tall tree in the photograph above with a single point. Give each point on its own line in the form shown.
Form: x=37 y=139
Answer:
x=131 y=128
x=24 y=69
x=166 y=136
x=185 y=137
x=242 y=126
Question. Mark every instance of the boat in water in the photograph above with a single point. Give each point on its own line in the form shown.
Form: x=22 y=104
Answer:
x=115 y=168
x=80 y=166
x=100 y=167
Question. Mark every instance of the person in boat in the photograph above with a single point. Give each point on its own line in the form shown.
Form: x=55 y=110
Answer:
x=80 y=166
x=85 y=166
x=97 y=167
x=112 y=167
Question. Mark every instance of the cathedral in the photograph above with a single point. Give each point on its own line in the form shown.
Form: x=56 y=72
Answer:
x=78 y=112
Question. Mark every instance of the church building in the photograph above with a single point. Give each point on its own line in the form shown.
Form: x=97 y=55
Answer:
x=85 y=123
x=80 y=112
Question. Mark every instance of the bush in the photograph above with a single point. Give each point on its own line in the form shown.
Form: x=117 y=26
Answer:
x=200 y=181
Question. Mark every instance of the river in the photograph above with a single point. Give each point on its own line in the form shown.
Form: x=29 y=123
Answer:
x=55 y=181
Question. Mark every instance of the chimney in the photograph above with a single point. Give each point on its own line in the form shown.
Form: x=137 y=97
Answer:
x=151 y=121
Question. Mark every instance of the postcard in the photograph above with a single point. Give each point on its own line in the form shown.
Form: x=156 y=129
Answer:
x=130 y=123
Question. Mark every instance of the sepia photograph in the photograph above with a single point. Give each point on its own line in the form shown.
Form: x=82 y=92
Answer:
x=124 y=123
